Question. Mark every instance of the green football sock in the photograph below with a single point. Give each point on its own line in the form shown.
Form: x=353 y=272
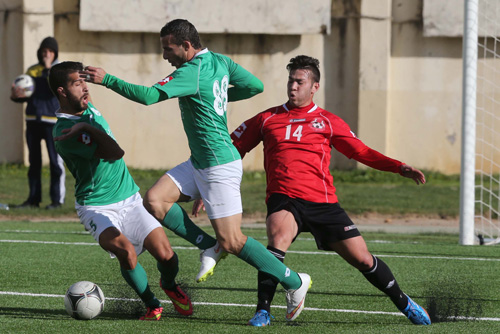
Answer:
x=168 y=272
x=138 y=280
x=255 y=254
x=178 y=221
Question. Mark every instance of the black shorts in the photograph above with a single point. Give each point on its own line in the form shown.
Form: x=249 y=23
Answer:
x=327 y=222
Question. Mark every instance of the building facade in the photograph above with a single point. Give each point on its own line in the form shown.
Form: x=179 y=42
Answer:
x=391 y=68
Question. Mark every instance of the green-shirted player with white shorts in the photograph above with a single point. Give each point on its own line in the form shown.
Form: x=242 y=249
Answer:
x=107 y=199
x=204 y=83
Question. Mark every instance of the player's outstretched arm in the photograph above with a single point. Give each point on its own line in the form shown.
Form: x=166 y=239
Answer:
x=413 y=173
x=377 y=160
x=137 y=93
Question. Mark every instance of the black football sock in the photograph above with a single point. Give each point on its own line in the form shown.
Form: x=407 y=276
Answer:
x=168 y=272
x=380 y=276
x=267 y=284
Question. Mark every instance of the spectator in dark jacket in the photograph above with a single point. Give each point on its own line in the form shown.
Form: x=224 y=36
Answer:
x=40 y=119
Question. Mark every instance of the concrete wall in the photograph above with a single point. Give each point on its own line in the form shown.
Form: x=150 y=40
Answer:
x=277 y=17
x=410 y=86
x=390 y=68
x=11 y=65
x=152 y=136
x=426 y=93
x=24 y=24
x=341 y=68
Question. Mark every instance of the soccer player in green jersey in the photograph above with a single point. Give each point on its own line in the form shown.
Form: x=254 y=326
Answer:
x=204 y=83
x=107 y=199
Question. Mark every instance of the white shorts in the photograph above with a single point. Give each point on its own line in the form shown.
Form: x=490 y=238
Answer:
x=218 y=186
x=128 y=216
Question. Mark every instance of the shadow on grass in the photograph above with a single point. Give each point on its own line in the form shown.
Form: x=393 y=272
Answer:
x=33 y=313
x=118 y=311
x=453 y=299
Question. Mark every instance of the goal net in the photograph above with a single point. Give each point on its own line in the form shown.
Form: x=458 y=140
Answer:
x=480 y=177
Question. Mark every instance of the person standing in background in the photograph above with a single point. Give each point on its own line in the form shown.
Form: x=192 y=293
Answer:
x=40 y=120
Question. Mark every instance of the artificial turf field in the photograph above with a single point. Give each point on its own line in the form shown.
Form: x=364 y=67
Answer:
x=459 y=285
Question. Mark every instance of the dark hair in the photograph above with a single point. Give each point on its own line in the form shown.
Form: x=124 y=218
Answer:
x=182 y=30
x=59 y=74
x=305 y=63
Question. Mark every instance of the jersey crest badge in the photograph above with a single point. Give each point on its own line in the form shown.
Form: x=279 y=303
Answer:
x=317 y=125
x=85 y=139
x=164 y=81
x=239 y=131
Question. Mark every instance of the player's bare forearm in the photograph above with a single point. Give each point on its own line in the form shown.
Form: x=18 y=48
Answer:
x=107 y=147
x=75 y=130
x=413 y=173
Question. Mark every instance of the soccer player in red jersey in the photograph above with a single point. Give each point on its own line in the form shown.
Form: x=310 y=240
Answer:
x=300 y=196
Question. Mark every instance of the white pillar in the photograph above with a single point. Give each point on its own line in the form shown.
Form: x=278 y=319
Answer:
x=467 y=175
x=374 y=67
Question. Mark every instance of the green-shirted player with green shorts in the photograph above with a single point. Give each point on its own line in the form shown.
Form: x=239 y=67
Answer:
x=107 y=199
x=204 y=83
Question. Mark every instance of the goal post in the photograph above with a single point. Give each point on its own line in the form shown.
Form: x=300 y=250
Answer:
x=467 y=169
x=480 y=162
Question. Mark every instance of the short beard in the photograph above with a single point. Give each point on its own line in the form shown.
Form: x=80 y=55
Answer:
x=76 y=104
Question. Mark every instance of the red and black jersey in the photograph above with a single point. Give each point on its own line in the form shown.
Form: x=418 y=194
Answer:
x=297 y=150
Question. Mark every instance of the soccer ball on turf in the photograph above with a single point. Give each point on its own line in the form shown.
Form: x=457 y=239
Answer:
x=84 y=300
x=26 y=83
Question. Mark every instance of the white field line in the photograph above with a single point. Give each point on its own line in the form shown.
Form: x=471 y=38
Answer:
x=289 y=252
x=25 y=294
x=87 y=233
x=44 y=232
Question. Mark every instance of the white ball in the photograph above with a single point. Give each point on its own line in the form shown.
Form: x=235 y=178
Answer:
x=84 y=300
x=26 y=83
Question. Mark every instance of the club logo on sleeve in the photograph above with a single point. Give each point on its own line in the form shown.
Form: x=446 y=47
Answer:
x=85 y=139
x=317 y=124
x=164 y=81
x=239 y=131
